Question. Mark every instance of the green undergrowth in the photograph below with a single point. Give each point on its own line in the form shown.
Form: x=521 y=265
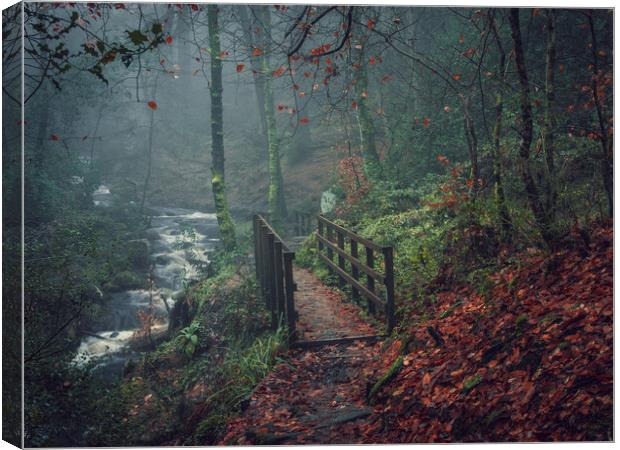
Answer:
x=184 y=391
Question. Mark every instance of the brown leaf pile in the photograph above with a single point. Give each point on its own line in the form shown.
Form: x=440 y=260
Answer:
x=530 y=361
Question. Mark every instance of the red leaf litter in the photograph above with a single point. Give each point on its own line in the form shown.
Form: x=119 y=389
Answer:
x=530 y=359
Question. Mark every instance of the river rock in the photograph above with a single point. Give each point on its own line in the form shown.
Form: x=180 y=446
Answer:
x=138 y=253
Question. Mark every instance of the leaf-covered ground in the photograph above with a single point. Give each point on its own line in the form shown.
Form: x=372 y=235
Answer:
x=530 y=359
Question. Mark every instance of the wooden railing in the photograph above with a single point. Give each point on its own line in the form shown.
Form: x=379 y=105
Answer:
x=302 y=222
x=379 y=287
x=274 y=272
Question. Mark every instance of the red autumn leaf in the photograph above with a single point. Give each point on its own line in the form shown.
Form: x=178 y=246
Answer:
x=469 y=52
x=426 y=122
x=354 y=104
x=278 y=72
x=370 y=24
x=119 y=6
x=257 y=51
x=372 y=60
x=281 y=107
x=304 y=120
x=307 y=74
x=152 y=104
x=194 y=7
x=364 y=94
x=426 y=379
x=456 y=77
x=240 y=67
x=168 y=39
x=461 y=39
x=55 y=137
x=446 y=108
x=561 y=67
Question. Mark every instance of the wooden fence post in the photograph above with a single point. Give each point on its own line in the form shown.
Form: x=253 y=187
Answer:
x=264 y=244
x=279 y=284
x=341 y=280
x=370 y=281
x=320 y=233
x=388 y=257
x=290 y=302
x=330 y=252
x=269 y=266
x=354 y=270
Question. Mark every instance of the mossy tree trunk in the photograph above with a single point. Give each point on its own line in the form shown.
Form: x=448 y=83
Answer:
x=526 y=132
x=372 y=164
x=224 y=220
x=275 y=196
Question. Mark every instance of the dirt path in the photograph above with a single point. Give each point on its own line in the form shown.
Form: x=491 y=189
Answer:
x=322 y=312
x=315 y=396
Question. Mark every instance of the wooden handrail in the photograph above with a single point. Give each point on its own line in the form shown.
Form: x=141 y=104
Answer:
x=274 y=272
x=324 y=234
x=365 y=242
x=360 y=265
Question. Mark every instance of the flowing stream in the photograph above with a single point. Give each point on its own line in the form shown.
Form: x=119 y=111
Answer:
x=179 y=242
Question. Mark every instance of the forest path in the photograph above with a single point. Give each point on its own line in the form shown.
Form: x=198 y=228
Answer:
x=315 y=396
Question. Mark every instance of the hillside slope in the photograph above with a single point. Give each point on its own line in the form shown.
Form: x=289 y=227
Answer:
x=532 y=360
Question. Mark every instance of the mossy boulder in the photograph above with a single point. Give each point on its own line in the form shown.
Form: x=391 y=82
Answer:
x=138 y=253
x=125 y=280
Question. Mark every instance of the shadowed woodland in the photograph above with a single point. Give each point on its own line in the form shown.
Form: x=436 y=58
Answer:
x=471 y=148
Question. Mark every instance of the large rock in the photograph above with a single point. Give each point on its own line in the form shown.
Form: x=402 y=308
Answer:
x=138 y=253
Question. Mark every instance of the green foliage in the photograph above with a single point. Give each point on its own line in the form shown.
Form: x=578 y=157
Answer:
x=189 y=338
x=471 y=383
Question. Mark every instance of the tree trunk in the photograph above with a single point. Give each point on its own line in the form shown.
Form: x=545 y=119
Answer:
x=472 y=144
x=607 y=156
x=372 y=164
x=224 y=220
x=275 y=196
x=548 y=133
x=500 y=198
x=259 y=89
x=149 y=149
x=526 y=132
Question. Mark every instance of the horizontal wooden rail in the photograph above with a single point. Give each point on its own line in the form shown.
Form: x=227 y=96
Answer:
x=353 y=282
x=326 y=241
x=274 y=272
x=360 y=265
x=365 y=242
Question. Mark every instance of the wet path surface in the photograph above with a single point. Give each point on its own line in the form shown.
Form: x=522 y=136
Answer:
x=323 y=313
x=315 y=396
